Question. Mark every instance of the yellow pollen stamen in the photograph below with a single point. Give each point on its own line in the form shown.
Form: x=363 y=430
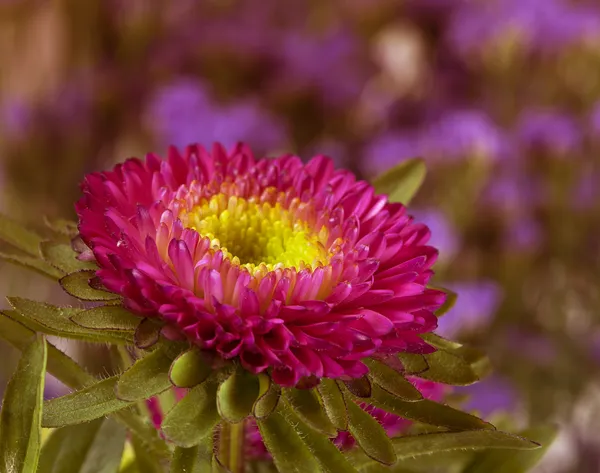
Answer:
x=255 y=234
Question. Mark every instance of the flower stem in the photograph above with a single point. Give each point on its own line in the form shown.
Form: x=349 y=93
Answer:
x=231 y=446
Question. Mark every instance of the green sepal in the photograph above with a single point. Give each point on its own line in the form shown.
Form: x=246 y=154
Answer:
x=77 y=284
x=307 y=405
x=113 y=318
x=451 y=298
x=269 y=394
x=18 y=236
x=453 y=363
x=30 y=262
x=84 y=405
x=334 y=403
x=147 y=377
x=189 y=369
x=20 y=419
x=147 y=334
x=402 y=182
x=497 y=461
x=63 y=257
x=427 y=412
x=194 y=417
x=392 y=381
x=360 y=387
x=236 y=395
x=95 y=447
x=54 y=320
x=327 y=454
x=290 y=453
x=370 y=435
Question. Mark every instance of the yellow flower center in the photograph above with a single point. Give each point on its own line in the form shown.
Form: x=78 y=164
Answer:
x=258 y=235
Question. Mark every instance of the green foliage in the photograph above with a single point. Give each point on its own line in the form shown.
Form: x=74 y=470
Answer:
x=189 y=369
x=147 y=334
x=30 y=262
x=16 y=235
x=268 y=397
x=109 y=318
x=196 y=459
x=194 y=417
x=393 y=382
x=370 y=435
x=95 y=447
x=20 y=420
x=78 y=285
x=84 y=405
x=402 y=182
x=307 y=405
x=334 y=403
x=236 y=395
x=63 y=257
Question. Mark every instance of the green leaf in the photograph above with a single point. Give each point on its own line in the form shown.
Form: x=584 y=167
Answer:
x=59 y=365
x=196 y=459
x=77 y=284
x=236 y=395
x=217 y=466
x=413 y=363
x=61 y=226
x=189 y=369
x=401 y=182
x=327 y=454
x=147 y=377
x=107 y=317
x=427 y=412
x=57 y=321
x=334 y=403
x=146 y=462
x=360 y=387
x=370 y=435
x=96 y=447
x=147 y=334
x=268 y=397
x=20 y=427
x=392 y=381
x=497 y=461
x=451 y=298
x=18 y=236
x=194 y=417
x=290 y=453
x=63 y=257
x=87 y=404
x=306 y=403
x=30 y=262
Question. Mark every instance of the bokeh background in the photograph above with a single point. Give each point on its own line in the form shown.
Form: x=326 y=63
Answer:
x=500 y=97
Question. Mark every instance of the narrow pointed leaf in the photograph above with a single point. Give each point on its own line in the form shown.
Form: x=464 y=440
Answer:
x=236 y=395
x=77 y=284
x=451 y=298
x=427 y=412
x=268 y=397
x=91 y=448
x=107 y=317
x=290 y=453
x=147 y=334
x=307 y=405
x=189 y=369
x=194 y=417
x=191 y=460
x=401 y=182
x=63 y=257
x=447 y=368
x=360 y=387
x=497 y=461
x=18 y=236
x=392 y=381
x=413 y=363
x=31 y=262
x=147 y=377
x=327 y=454
x=53 y=320
x=440 y=342
x=20 y=420
x=370 y=435
x=87 y=404
x=334 y=403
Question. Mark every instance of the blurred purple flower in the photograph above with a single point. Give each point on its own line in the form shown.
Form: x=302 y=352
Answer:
x=443 y=234
x=461 y=135
x=586 y=193
x=510 y=190
x=15 y=119
x=533 y=346
x=550 y=131
x=183 y=113
x=475 y=307
x=491 y=395
x=594 y=120
x=388 y=150
x=524 y=235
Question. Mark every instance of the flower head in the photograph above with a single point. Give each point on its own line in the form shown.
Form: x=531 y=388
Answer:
x=297 y=268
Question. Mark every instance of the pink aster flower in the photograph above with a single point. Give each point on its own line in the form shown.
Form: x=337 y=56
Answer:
x=299 y=269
